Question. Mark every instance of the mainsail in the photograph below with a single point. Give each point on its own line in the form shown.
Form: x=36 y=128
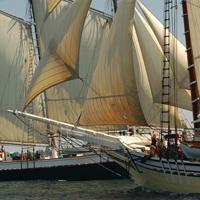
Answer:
x=15 y=58
x=60 y=60
x=65 y=100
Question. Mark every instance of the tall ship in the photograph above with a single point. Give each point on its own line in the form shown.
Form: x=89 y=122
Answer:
x=42 y=153
x=132 y=99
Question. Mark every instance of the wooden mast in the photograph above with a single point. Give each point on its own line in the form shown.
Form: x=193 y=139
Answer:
x=115 y=5
x=46 y=113
x=191 y=67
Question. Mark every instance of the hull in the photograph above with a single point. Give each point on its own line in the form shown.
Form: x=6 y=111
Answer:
x=161 y=175
x=190 y=152
x=73 y=169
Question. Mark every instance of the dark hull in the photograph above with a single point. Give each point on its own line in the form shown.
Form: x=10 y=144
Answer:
x=92 y=171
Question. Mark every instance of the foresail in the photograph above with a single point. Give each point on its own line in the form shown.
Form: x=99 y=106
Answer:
x=150 y=109
x=52 y=5
x=193 y=7
x=15 y=58
x=153 y=60
x=60 y=60
x=180 y=54
x=113 y=96
x=65 y=100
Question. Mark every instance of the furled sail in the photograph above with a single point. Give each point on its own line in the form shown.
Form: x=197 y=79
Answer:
x=15 y=58
x=113 y=96
x=154 y=61
x=61 y=57
x=180 y=54
x=193 y=7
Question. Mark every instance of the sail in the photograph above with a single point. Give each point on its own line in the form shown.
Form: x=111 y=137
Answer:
x=113 y=96
x=193 y=7
x=65 y=100
x=61 y=57
x=150 y=109
x=154 y=61
x=52 y=5
x=179 y=56
x=15 y=58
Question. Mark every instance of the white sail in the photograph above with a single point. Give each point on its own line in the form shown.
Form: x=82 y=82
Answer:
x=153 y=57
x=113 y=95
x=15 y=59
x=65 y=101
x=52 y=5
x=150 y=109
x=177 y=51
x=60 y=61
x=193 y=7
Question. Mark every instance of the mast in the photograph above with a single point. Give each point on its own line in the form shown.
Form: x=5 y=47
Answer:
x=166 y=89
x=191 y=67
x=115 y=5
x=45 y=108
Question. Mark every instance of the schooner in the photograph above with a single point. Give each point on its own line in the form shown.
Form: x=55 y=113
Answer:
x=134 y=76
x=21 y=48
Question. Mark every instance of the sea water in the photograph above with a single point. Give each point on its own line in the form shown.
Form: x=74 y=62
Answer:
x=87 y=190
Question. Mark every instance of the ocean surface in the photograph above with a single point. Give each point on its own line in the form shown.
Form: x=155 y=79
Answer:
x=87 y=190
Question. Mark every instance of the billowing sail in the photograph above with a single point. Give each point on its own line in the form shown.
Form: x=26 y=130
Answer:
x=180 y=54
x=16 y=54
x=61 y=57
x=65 y=101
x=52 y=5
x=113 y=96
x=193 y=7
x=150 y=109
x=154 y=62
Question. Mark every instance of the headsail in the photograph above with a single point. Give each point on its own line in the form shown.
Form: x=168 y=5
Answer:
x=153 y=59
x=15 y=58
x=113 y=95
x=65 y=100
x=60 y=61
x=150 y=108
x=180 y=57
x=52 y=5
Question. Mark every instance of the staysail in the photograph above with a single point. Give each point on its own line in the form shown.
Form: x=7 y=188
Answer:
x=15 y=58
x=150 y=109
x=60 y=60
x=179 y=56
x=112 y=97
x=154 y=60
x=65 y=100
x=121 y=96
